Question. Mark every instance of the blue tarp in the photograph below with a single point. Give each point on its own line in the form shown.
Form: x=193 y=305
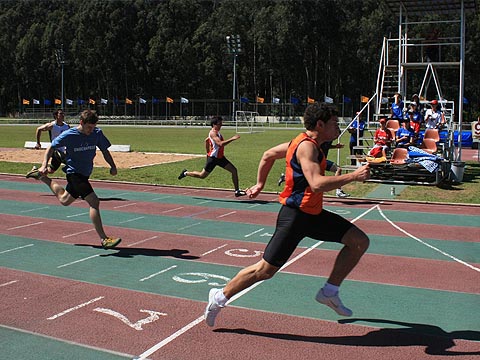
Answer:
x=467 y=139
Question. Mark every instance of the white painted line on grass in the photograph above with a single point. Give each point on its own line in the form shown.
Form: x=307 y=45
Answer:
x=9 y=283
x=227 y=214
x=74 y=308
x=14 y=249
x=135 y=219
x=78 y=261
x=255 y=232
x=213 y=250
x=200 y=319
x=424 y=243
x=24 y=226
x=158 y=273
x=78 y=233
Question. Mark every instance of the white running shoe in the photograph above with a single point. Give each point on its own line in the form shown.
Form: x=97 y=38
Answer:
x=213 y=308
x=341 y=194
x=334 y=302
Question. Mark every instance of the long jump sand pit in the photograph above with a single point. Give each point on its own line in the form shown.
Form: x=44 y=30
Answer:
x=123 y=160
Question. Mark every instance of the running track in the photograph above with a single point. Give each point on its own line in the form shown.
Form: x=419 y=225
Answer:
x=415 y=294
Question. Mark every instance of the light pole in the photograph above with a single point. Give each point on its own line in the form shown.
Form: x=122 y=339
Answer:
x=234 y=47
x=60 y=55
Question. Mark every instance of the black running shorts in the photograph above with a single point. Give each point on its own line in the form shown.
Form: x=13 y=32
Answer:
x=212 y=162
x=78 y=186
x=293 y=225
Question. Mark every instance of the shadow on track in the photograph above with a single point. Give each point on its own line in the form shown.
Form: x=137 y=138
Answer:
x=123 y=252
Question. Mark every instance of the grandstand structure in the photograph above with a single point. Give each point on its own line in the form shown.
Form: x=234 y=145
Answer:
x=413 y=62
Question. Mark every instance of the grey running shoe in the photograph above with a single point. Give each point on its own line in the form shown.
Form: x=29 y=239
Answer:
x=341 y=194
x=334 y=302
x=239 y=193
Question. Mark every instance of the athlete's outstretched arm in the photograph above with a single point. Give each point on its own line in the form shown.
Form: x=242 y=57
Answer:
x=266 y=162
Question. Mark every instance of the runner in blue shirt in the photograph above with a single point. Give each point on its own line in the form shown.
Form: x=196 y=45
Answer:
x=81 y=143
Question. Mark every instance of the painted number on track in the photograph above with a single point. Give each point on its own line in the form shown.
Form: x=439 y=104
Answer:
x=243 y=253
x=153 y=316
x=198 y=278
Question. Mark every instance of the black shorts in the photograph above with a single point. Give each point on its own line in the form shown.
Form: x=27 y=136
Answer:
x=212 y=162
x=78 y=186
x=293 y=225
x=58 y=158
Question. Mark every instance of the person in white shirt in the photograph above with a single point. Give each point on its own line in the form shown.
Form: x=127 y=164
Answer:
x=434 y=117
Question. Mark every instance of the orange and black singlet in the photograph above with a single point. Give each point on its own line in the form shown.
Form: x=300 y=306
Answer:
x=297 y=192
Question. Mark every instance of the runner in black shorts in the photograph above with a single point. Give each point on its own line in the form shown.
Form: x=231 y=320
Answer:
x=302 y=214
x=214 y=145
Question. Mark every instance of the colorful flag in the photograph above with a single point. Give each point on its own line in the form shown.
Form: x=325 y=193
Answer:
x=244 y=100
x=91 y=101
x=36 y=102
x=465 y=100
x=103 y=101
x=115 y=101
x=69 y=101
x=25 y=102
x=142 y=101
x=260 y=100
x=294 y=100
x=155 y=100
x=310 y=100
x=58 y=102
x=276 y=100
x=346 y=99
x=364 y=99
x=47 y=102
x=128 y=101
x=80 y=101
x=328 y=99
x=169 y=100
x=184 y=100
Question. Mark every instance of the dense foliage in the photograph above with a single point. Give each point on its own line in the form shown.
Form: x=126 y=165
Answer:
x=177 y=48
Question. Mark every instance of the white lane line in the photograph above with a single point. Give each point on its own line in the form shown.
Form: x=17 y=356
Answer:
x=158 y=273
x=227 y=214
x=189 y=226
x=162 y=197
x=424 y=243
x=123 y=206
x=171 y=210
x=74 y=308
x=200 y=319
x=24 y=226
x=142 y=241
x=78 y=233
x=135 y=219
x=213 y=250
x=80 y=214
x=77 y=261
x=255 y=232
x=252 y=206
x=36 y=209
x=9 y=283
x=204 y=202
x=14 y=249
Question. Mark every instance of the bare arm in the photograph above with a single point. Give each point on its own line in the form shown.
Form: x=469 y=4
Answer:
x=266 y=162
x=38 y=133
x=108 y=158
x=220 y=142
x=307 y=155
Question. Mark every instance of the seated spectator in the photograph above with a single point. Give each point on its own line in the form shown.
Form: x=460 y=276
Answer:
x=434 y=117
x=396 y=108
x=419 y=105
x=415 y=119
x=404 y=136
x=382 y=139
x=352 y=129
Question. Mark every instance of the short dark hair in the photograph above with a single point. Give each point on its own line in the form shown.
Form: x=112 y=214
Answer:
x=318 y=111
x=89 y=116
x=215 y=120
x=55 y=113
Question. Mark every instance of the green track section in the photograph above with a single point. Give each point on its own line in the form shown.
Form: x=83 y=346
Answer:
x=423 y=218
x=16 y=344
x=286 y=293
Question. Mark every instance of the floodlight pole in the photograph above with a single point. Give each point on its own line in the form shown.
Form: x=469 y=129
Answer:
x=234 y=47
x=60 y=55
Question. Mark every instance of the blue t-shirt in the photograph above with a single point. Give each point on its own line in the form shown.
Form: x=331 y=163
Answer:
x=397 y=110
x=404 y=132
x=81 y=149
x=361 y=128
